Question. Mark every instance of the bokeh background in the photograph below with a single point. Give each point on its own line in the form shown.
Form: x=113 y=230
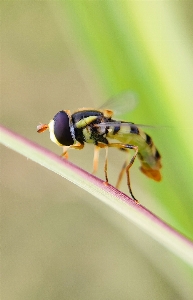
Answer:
x=58 y=242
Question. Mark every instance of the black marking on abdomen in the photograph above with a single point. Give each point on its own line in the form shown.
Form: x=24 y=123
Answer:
x=116 y=129
x=149 y=140
x=134 y=129
x=157 y=155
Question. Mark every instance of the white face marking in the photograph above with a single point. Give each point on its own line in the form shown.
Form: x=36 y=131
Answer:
x=52 y=135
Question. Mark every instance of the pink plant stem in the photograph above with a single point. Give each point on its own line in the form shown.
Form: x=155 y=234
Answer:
x=119 y=201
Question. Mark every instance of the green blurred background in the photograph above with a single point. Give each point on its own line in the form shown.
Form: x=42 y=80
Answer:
x=69 y=54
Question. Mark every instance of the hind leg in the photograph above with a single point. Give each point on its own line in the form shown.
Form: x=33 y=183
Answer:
x=120 y=177
x=125 y=166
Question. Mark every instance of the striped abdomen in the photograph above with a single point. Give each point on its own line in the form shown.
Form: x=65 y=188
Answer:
x=147 y=152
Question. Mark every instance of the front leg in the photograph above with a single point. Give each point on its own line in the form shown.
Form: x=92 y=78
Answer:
x=101 y=145
x=65 y=152
x=75 y=146
x=95 y=159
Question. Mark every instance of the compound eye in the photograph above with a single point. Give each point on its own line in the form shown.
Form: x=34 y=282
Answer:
x=62 y=129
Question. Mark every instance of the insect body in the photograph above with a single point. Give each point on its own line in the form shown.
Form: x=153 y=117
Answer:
x=97 y=127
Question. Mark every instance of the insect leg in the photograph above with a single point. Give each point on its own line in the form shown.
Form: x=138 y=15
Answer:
x=127 y=146
x=75 y=146
x=65 y=153
x=105 y=167
x=95 y=159
x=101 y=145
x=120 y=177
x=127 y=170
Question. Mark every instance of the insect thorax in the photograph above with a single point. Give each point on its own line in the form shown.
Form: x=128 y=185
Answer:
x=84 y=125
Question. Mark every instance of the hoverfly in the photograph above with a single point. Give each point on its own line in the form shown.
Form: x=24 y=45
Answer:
x=98 y=127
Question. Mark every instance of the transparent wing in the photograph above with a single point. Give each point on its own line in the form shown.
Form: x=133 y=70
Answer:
x=118 y=123
x=127 y=124
x=121 y=103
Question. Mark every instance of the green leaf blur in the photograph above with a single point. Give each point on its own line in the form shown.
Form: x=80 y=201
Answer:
x=146 y=47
